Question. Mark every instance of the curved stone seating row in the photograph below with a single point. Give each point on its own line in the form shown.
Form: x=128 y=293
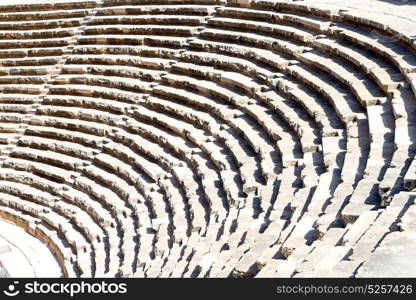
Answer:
x=204 y=138
x=44 y=234
x=49 y=6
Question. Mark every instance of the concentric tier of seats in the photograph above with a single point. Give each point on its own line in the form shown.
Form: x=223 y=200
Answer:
x=205 y=138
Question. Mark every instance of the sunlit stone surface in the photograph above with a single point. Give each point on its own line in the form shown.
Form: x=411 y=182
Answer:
x=208 y=138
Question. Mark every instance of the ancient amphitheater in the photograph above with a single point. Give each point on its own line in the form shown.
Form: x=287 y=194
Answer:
x=207 y=138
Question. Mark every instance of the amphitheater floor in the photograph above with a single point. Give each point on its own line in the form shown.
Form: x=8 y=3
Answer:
x=25 y=256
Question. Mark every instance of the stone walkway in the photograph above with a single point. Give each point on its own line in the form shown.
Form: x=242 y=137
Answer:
x=400 y=15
